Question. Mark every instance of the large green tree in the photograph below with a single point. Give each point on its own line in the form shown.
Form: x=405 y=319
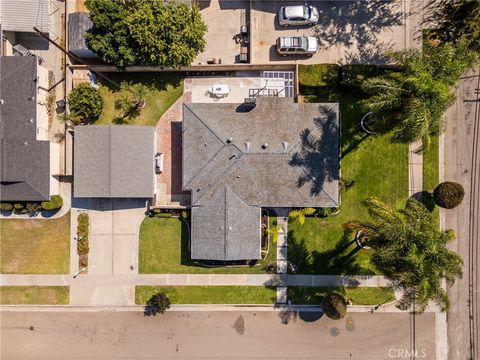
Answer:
x=411 y=251
x=145 y=32
x=456 y=20
x=414 y=100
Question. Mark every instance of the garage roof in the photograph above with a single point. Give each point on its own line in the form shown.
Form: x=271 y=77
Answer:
x=23 y=15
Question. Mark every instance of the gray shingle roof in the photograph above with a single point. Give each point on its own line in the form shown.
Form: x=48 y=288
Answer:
x=114 y=161
x=23 y=15
x=279 y=154
x=24 y=161
x=78 y=24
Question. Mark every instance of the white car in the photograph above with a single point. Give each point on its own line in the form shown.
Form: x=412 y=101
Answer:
x=297 y=15
x=297 y=45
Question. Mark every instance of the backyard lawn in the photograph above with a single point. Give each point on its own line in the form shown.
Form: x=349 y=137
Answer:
x=209 y=294
x=34 y=295
x=164 y=249
x=358 y=295
x=163 y=90
x=374 y=166
x=35 y=246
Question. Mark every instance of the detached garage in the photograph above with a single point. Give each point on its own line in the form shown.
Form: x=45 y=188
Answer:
x=114 y=161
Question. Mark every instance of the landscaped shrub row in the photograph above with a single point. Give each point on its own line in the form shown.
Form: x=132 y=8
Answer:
x=82 y=234
x=314 y=78
x=55 y=203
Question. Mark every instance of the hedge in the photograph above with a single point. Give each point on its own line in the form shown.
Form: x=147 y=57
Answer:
x=354 y=75
x=82 y=234
x=56 y=202
x=313 y=77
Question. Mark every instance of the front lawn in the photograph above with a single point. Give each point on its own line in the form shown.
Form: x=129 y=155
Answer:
x=34 y=295
x=373 y=166
x=431 y=176
x=164 y=250
x=209 y=294
x=35 y=246
x=163 y=90
x=358 y=295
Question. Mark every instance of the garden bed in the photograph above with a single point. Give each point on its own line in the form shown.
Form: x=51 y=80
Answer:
x=357 y=295
x=82 y=241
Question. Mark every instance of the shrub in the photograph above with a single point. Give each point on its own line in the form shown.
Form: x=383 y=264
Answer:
x=158 y=303
x=19 y=208
x=33 y=207
x=56 y=202
x=448 y=194
x=353 y=75
x=6 y=207
x=325 y=212
x=334 y=306
x=85 y=103
x=82 y=234
x=313 y=77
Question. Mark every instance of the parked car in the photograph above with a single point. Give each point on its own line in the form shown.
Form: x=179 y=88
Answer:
x=158 y=163
x=297 y=15
x=297 y=45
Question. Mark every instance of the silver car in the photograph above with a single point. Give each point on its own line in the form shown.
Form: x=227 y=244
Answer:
x=297 y=45
x=297 y=15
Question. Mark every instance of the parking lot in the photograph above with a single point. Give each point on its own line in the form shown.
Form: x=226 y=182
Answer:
x=347 y=31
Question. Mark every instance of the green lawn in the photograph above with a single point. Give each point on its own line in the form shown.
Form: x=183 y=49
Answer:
x=34 y=295
x=164 y=249
x=35 y=246
x=358 y=295
x=163 y=90
x=431 y=174
x=209 y=294
x=378 y=168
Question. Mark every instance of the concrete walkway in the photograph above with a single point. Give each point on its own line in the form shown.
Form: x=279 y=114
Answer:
x=193 y=280
x=282 y=223
x=415 y=169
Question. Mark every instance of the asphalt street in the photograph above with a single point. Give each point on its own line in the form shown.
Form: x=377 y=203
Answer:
x=214 y=335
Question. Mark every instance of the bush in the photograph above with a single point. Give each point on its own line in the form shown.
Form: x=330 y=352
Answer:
x=33 y=207
x=448 y=194
x=313 y=77
x=334 y=306
x=19 y=208
x=354 y=75
x=56 y=202
x=85 y=103
x=325 y=212
x=158 y=303
x=6 y=207
x=82 y=234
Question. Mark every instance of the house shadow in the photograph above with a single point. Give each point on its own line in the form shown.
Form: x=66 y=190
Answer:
x=318 y=155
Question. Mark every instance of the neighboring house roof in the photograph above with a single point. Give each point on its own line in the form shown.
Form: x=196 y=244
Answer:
x=114 y=161
x=78 y=24
x=24 y=161
x=23 y=15
x=278 y=154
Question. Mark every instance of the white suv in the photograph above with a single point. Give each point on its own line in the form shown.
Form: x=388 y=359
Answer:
x=297 y=15
x=297 y=45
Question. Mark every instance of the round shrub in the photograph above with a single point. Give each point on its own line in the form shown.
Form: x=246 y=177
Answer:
x=6 y=207
x=32 y=208
x=85 y=102
x=448 y=194
x=56 y=202
x=334 y=306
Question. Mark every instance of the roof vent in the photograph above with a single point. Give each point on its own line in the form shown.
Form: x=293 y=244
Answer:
x=25 y=143
x=264 y=146
x=247 y=145
x=1 y=101
x=30 y=98
x=248 y=105
x=31 y=120
x=285 y=145
x=229 y=140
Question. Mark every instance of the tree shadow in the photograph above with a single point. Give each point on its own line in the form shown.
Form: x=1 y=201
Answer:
x=350 y=23
x=154 y=81
x=318 y=156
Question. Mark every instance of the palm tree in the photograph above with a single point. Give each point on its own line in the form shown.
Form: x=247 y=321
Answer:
x=411 y=252
x=300 y=214
x=132 y=98
x=413 y=101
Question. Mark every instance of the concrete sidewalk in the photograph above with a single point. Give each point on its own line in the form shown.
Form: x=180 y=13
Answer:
x=194 y=280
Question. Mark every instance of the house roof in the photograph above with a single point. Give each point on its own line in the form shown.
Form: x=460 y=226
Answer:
x=114 y=161
x=23 y=15
x=24 y=161
x=276 y=154
x=78 y=24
